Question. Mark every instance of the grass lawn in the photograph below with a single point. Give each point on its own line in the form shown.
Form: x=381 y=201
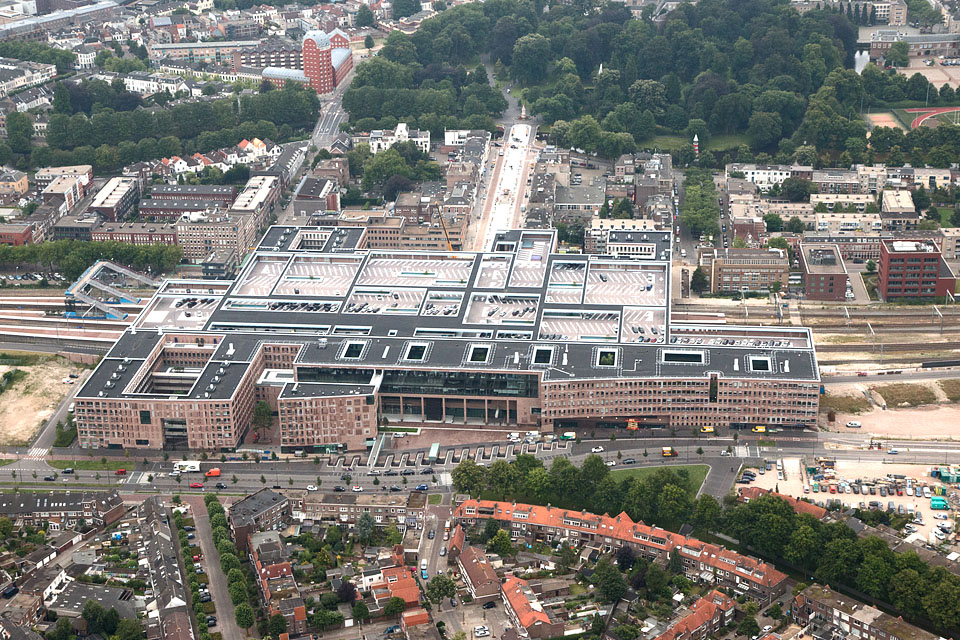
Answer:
x=698 y=472
x=434 y=498
x=5 y=461
x=906 y=394
x=714 y=143
x=870 y=282
x=951 y=387
x=945 y=214
x=93 y=465
x=904 y=117
x=387 y=429
x=844 y=404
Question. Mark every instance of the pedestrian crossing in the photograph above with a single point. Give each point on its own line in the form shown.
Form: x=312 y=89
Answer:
x=37 y=453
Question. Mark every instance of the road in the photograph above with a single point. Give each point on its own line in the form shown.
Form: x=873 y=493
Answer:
x=226 y=621
x=501 y=210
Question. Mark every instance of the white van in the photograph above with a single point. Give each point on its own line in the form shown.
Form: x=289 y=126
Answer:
x=72 y=406
x=423 y=565
x=683 y=253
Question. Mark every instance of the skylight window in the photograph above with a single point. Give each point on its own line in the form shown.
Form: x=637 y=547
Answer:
x=543 y=355
x=354 y=350
x=479 y=354
x=607 y=357
x=416 y=351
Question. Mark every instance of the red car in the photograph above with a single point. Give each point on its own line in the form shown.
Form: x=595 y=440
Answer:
x=196 y=485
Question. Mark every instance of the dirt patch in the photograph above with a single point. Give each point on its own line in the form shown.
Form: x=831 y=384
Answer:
x=951 y=388
x=939 y=422
x=885 y=119
x=852 y=404
x=906 y=395
x=26 y=405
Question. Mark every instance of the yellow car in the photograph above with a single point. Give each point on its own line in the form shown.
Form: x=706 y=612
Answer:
x=759 y=429
x=706 y=429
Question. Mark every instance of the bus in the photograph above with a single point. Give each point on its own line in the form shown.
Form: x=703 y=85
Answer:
x=669 y=452
x=568 y=435
x=187 y=466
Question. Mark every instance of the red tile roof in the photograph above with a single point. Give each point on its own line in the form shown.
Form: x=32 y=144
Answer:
x=415 y=616
x=623 y=528
x=477 y=568
x=528 y=612
x=702 y=612
x=746 y=494
x=457 y=539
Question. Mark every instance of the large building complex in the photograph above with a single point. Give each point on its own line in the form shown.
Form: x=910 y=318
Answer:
x=339 y=339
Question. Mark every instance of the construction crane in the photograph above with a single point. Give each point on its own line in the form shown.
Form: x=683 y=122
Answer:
x=443 y=225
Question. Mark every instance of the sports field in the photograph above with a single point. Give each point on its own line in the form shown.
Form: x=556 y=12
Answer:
x=913 y=118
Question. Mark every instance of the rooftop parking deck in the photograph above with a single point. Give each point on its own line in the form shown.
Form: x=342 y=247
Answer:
x=318 y=276
x=178 y=311
x=417 y=270
x=627 y=282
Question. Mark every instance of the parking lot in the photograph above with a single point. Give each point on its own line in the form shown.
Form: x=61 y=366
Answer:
x=580 y=325
x=367 y=300
x=493 y=272
x=501 y=309
x=636 y=285
x=262 y=276
x=318 y=277
x=643 y=325
x=530 y=267
x=187 y=312
x=443 y=270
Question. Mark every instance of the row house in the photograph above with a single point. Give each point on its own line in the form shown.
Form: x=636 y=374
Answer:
x=62 y=510
x=702 y=561
x=704 y=619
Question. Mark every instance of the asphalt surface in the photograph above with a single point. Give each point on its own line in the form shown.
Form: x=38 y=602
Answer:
x=226 y=621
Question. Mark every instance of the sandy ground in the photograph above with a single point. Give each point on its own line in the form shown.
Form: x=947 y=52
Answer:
x=26 y=405
x=885 y=120
x=852 y=471
x=937 y=74
x=925 y=422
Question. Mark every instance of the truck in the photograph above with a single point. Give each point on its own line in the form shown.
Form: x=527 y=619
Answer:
x=213 y=473
x=669 y=452
x=187 y=466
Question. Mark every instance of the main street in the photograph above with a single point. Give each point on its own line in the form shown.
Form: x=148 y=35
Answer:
x=351 y=471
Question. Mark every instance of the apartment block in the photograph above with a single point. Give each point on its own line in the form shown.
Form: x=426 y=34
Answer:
x=910 y=269
x=117 y=199
x=64 y=509
x=825 y=614
x=843 y=201
x=200 y=234
x=704 y=619
x=836 y=181
x=136 y=233
x=702 y=562
x=209 y=193
x=405 y=512
x=382 y=139
x=264 y=510
x=745 y=269
x=845 y=222
x=824 y=272
x=764 y=176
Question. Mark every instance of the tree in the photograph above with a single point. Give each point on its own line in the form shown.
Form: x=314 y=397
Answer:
x=500 y=544
x=490 y=529
x=871 y=266
x=277 y=625
x=776 y=611
x=404 y=8
x=368 y=41
x=898 y=55
x=441 y=587
x=625 y=558
x=6 y=528
x=262 y=415
x=19 y=131
x=244 y=615
x=698 y=281
x=365 y=19
x=61 y=99
x=765 y=128
x=361 y=612
x=347 y=592
x=530 y=56
x=609 y=581
x=394 y=607
x=238 y=592
x=365 y=527
x=796 y=189
x=774 y=222
x=921 y=199
x=469 y=477
x=502 y=479
x=706 y=513
x=748 y=627
x=795 y=225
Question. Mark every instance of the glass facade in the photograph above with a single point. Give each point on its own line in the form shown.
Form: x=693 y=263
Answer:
x=460 y=383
